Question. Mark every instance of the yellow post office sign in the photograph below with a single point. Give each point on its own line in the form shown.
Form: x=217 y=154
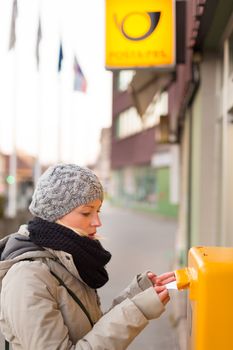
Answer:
x=140 y=34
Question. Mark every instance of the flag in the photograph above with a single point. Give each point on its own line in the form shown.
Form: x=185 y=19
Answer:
x=39 y=35
x=60 y=58
x=80 y=83
x=13 y=21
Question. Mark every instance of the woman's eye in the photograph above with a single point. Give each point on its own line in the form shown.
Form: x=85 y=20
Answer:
x=86 y=214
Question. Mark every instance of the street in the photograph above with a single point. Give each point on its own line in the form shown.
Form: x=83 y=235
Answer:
x=139 y=242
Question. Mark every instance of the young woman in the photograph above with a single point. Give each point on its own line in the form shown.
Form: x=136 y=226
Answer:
x=51 y=268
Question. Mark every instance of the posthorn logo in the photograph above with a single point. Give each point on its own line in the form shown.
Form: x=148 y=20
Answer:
x=138 y=26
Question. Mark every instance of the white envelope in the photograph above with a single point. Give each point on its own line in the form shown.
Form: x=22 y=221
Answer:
x=171 y=285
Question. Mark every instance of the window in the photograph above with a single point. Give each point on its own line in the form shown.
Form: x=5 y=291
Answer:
x=128 y=123
x=157 y=108
x=124 y=79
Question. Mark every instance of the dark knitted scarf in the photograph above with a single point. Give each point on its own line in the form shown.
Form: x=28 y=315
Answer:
x=89 y=256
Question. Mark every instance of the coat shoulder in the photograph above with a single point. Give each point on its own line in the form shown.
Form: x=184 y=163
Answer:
x=28 y=275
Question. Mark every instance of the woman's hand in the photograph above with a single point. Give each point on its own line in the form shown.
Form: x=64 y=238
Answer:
x=166 y=278
x=159 y=284
x=163 y=279
x=163 y=294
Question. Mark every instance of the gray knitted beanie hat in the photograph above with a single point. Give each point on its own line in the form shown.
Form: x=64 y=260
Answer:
x=63 y=187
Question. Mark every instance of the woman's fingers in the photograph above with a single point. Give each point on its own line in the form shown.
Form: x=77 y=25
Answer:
x=166 y=300
x=165 y=278
x=152 y=277
x=163 y=295
x=165 y=281
x=166 y=275
x=159 y=289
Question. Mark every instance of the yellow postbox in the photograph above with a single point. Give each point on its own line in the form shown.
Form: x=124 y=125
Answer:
x=209 y=278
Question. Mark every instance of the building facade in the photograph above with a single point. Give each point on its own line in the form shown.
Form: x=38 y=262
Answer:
x=172 y=132
x=181 y=164
x=141 y=158
x=204 y=126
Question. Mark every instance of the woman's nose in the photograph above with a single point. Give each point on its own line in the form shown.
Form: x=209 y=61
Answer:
x=96 y=221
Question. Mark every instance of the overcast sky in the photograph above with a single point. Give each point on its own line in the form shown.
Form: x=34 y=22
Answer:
x=37 y=102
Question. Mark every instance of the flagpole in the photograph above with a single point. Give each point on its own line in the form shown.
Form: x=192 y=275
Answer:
x=37 y=165
x=72 y=124
x=12 y=176
x=79 y=85
x=59 y=122
x=72 y=128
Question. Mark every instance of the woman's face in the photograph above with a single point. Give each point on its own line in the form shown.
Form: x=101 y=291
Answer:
x=85 y=218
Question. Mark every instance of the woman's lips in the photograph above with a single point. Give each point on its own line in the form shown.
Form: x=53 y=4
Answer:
x=92 y=234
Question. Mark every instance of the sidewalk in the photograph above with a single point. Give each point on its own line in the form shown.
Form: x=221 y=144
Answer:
x=138 y=242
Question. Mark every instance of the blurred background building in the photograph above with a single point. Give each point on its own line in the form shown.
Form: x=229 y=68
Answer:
x=143 y=161
x=172 y=133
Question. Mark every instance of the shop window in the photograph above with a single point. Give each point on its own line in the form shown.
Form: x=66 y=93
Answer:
x=145 y=183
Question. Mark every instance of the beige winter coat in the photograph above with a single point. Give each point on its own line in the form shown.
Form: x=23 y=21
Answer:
x=37 y=313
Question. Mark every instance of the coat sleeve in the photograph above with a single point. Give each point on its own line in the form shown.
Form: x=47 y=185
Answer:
x=117 y=328
x=37 y=322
